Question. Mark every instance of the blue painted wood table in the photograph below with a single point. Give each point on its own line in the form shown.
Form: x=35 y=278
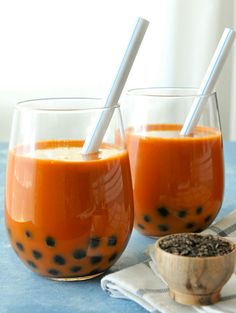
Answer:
x=22 y=291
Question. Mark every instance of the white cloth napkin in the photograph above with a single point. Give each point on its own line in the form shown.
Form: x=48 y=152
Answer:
x=141 y=282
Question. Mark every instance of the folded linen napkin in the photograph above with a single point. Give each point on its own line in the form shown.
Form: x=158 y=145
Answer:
x=141 y=282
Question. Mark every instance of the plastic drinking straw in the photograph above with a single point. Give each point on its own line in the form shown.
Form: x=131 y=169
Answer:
x=209 y=80
x=95 y=137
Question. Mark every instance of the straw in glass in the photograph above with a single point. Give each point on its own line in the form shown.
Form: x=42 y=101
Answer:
x=96 y=135
x=209 y=81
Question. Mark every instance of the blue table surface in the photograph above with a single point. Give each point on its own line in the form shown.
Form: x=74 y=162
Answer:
x=22 y=291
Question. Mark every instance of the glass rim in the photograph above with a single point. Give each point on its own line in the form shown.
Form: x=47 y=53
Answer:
x=36 y=104
x=148 y=92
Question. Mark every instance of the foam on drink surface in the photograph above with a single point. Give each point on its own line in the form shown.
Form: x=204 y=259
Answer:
x=172 y=134
x=70 y=154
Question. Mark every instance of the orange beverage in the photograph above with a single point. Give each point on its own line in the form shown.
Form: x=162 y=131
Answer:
x=178 y=182
x=68 y=216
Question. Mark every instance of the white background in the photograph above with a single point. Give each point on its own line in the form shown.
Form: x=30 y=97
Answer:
x=74 y=47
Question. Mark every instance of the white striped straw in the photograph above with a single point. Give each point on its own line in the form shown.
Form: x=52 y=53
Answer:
x=209 y=81
x=95 y=137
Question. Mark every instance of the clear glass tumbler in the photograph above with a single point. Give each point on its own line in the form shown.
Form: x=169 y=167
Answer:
x=69 y=216
x=178 y=181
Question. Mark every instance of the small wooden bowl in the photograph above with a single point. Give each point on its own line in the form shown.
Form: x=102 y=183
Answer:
x=195 y=280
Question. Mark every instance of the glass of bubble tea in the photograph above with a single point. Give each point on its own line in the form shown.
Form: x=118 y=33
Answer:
x=178 y=181
x=69 y=216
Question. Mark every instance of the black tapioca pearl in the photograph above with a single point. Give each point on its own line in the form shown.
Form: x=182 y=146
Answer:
x=199 y=210
x=20 y=246
x=94 y=242
x=37 y=254
x=141 y=226
x=96 y=259
x=94 y=272
x=75 y=269
x=207 y=219
x=190 y=225
x=147 y=218
x=79 y=254
x=50 y=241
x=199 y=230
x=163 y=211
x=31 y=264
x=182 y=213
x=53 y=271
x=58 y=259
x=163 y=227
x=112 y=241
x=113 y=257
x=28 y=234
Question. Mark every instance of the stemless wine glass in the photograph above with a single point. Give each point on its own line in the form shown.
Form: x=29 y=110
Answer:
x=178 y=182
x=69 y=216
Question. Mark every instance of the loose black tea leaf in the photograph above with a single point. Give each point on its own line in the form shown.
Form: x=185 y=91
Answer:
x=195 y=245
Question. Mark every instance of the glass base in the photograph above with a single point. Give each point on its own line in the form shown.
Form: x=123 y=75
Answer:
x=79 y=278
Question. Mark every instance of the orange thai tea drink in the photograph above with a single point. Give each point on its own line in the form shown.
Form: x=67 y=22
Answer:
x=69 y=216
x=178 y=181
